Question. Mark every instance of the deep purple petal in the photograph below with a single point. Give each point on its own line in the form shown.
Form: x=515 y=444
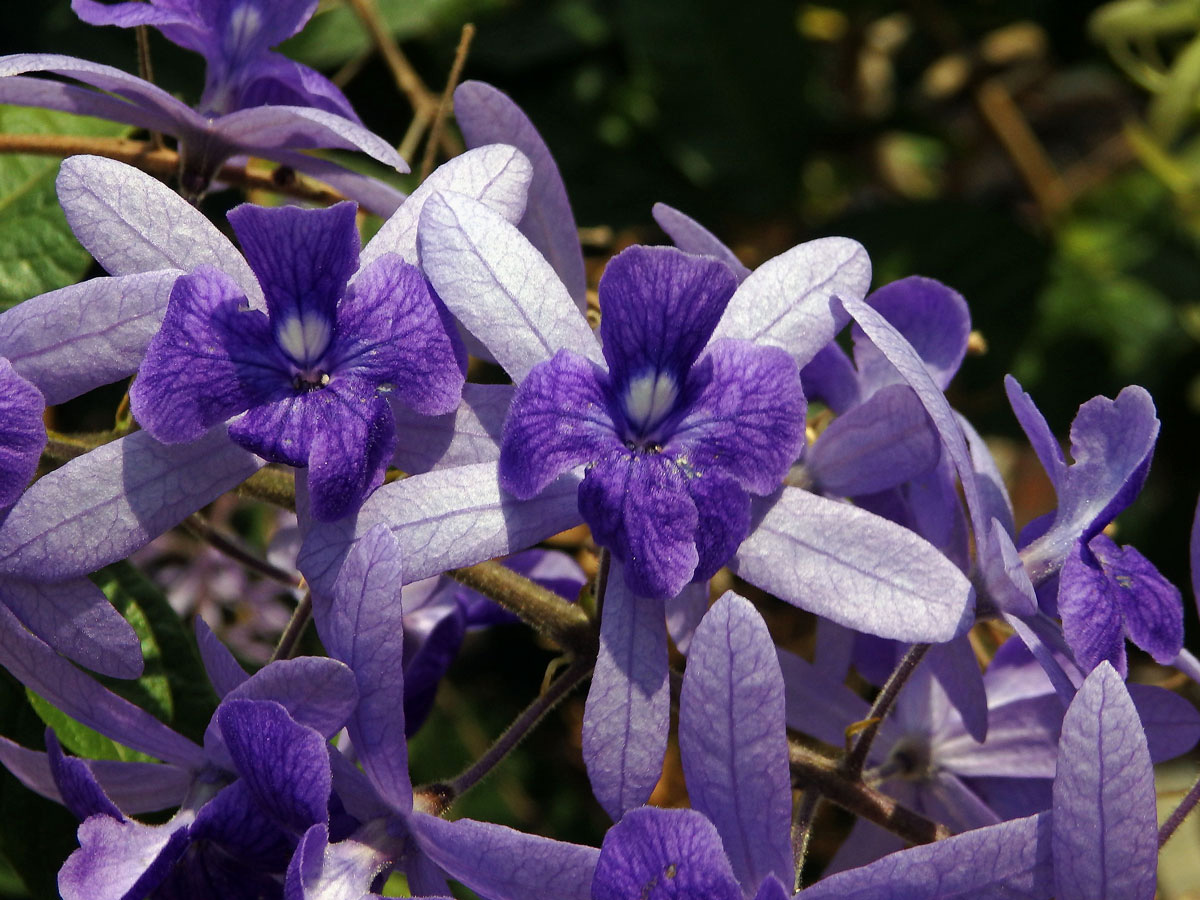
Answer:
x=1105 y=825
x=786 y=301
x=663 y=854
x=1151 y=606
x=933 y=318
x=1111 y=443
x=1009 y=860
x=470 y=434
x=830 y=378
x=424 y=669
x=503 y=864
x=275 y=80
x=244 y=829
x=361 y=623
x=723 y=520
x=72 y=340
x=76 y=619
x=131 y=223
x=391 y=331
x=658 y=308
x=1090 y=607
x=118 y=860
x=488 y=116
x=691 y=237
x=224 y=672
x=879 y=444
x=284 y=764
x=498 y=285
x=745 y=415
x=102 y=506
x=22 y=434
x=77 y=786
x=497 y=176
x=638 y=506
x=625 y=719
x=212 y=359
x=303 y=259
x=128 y=15
x=854 y=568
x=560 y=418
x=733 y=740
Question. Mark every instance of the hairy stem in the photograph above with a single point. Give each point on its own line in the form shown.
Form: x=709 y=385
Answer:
x=1180 y=813
x=802 y=824
x=296 y=625
x=200 y=528
x=443 y=107
x=856 y=759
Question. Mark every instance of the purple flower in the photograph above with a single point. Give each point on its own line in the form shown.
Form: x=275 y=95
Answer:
x=234 y=37
x=310 y=374
x=22 y=434
x=676 y=434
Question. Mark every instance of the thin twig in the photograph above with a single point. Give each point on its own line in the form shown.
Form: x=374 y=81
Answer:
x=443 y=108
x=200 y=528
x=296 y=625
x=522 y=725
x=163 y=164
x=1180 y=813
x=146 y=71
x=802 y=824
x=852 y=765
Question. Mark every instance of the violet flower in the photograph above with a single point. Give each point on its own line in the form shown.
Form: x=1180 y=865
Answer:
x=310 y=374
x=22 y=434
x=255 y=102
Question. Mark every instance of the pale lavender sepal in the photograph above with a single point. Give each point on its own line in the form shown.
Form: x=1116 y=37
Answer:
x=133 y=223
x=263 y=129
x=487 y=116
x=831 y=378
x=498 y=285
x=954 y=665
x=993 y=493
x=224 y=672
x=691 y=237
x=1170 y=721
x=1041 y=438
x=68 y=341
x=684 y=612
x=503 y=864
x=136 y=787
x=361 y=623
x=102 y=506
x=786 y=301
x=878 y=444
x=1009 y=861
x=497 y=176
x=19 y=90
x=470 y=434
x=1105 y=826
x=733 y=741
x=78 y=695
x=855 y=568
x=445 y=519
x=1064 y=684
x=1111 y=445
x=319 y=693
x=816 y=704
x=628 y=704
x=1004 y=572
x=76 y=619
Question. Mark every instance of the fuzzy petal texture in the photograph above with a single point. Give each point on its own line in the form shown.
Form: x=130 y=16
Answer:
x=1090 y=607
x=488 y=116
x=131 y=223
x=664 y=854
x=560 y=418
x=854 y=568
x=102 y=506
x=625 y=719
x=1151 y=606
x=658 y=308
x=118 y=860
x=503 y=864
x=498 y=285
x=497 y=176
x=72 y=340
x=733 y=740
x=77 y=787
x=1105 y=825
x=691 y=237
x=22 y=434
x=786 y=301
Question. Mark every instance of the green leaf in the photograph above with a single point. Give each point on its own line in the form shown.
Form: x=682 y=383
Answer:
x=174 y=686
x=38 y=253
x=78 y=738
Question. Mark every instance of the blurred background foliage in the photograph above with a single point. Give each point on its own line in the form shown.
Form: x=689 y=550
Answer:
x=1041 y=158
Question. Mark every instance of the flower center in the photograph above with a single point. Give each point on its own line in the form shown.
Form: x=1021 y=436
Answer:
x=304 y=338
x=649 y=398
x=307 y=382
x=910 y=759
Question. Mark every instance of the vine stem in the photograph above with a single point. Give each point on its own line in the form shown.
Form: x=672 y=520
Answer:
x=856 y=759
x=443 y=107
x=806 y=814
x=1181 y=812
x=201 y=529
x=576 y=672
x=290 y=639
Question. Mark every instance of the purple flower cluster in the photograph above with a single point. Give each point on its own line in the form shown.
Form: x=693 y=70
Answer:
x=678 y=434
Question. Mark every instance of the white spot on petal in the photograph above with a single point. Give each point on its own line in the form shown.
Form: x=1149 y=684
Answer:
x=304 y=338
x=243 y=26
x=648 y=400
